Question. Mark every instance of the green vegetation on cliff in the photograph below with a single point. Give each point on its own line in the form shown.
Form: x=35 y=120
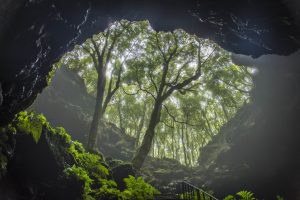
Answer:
x=89 y=169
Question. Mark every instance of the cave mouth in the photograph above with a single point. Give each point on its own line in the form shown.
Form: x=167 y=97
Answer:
x=275 y=108
x=134 y=55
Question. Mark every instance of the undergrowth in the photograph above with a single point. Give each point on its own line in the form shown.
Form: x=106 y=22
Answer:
x=87 y=168
x=246 y=195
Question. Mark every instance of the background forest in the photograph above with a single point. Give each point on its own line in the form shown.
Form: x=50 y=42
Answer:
x=170 y=90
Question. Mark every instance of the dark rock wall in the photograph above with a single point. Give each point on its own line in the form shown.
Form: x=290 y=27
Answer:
x=41 y=31
x=259 y=148
x=35 y=33
x=66 y=103
x=35 y=170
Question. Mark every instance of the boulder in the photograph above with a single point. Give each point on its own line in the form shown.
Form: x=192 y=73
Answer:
x=122 y=171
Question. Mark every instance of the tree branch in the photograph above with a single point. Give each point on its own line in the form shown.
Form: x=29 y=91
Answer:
x=93 y=56
x=179 y=122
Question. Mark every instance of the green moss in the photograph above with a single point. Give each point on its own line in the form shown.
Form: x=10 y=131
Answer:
x=87 y=167
x=90 y=162
x=62 y=132
x=81 y=175
x=52 y=73
x=31 y=124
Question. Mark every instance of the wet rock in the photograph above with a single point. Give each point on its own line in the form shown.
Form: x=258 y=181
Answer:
x=122 y=171
x=1 y=97
x=258 y=149
x=7 y=145
x=165 y=173
x=35 y=170
x=39 y=32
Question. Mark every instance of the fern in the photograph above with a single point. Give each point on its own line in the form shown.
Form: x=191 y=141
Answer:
x=246 y=195
x=138 y=189
x=230 y=197
x=241 y=195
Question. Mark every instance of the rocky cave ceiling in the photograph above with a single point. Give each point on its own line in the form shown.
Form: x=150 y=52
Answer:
x=35 y=33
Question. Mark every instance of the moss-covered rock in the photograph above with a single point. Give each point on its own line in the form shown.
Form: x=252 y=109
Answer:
x=43 y=162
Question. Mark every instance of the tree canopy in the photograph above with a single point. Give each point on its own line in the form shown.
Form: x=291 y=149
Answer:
x=172 y=91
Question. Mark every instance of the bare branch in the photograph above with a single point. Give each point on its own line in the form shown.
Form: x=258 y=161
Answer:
x=235 y=87
x=100 y=57
x=170 y=126
x=178 y=73
x=114 y=40
x=127 y=93
x=177 y=121
x=153 y=82
x=186 y=82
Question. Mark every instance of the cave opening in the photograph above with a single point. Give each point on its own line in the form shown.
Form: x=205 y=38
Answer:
x=190 y=117
x=256 y=147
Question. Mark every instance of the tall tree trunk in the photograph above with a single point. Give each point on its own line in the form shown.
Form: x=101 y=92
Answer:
x=193 y=151
x=120 y=116
x=173 y=146
x=97 y=117
x=141 y=125
x=144 y=149
x=183 y=144
x=208 y=123
x=188 y=154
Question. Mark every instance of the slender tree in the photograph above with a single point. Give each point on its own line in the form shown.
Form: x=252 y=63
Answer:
x=105 y=53
x=174 y=53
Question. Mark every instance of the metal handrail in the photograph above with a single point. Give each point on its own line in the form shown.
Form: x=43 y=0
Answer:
x=187 y=191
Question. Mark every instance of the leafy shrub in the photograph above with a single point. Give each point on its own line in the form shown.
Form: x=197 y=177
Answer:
x=138 y=189
x=246 y=195
x=242 y=195
x=108 y=190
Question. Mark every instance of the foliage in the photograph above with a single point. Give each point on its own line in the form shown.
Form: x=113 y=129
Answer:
x=88 y=161
x=81 y=175
x=246 y=195
x=87 y=168
x=138 y=189
x=62 y=133
x=242 y=195
x=52 y=73
x=192 y=114
x=108 y=190
x=279 y=197
x=230 y=197
x=31 y=124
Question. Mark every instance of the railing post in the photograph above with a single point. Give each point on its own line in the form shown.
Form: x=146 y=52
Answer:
x=202 y=195
x=198 y=195
x=193 y=193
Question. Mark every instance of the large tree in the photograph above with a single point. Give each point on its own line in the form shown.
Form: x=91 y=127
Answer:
x=171 y=62
x=171 y=91
x=100 y=61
